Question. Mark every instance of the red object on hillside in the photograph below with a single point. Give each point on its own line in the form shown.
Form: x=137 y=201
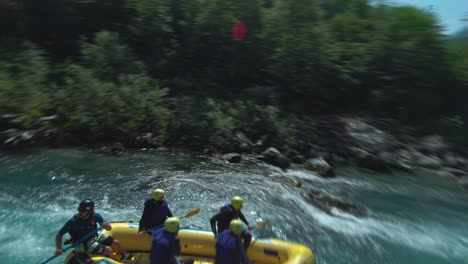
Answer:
x=239 y=30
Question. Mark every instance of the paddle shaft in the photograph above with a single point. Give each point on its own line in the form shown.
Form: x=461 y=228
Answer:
x=187 y=215
x=86 y=237
x=159 y=226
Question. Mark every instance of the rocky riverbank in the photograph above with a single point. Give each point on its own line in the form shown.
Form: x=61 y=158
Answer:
x=368 y=143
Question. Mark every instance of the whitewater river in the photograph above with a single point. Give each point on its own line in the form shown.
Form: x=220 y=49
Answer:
x=417 y=219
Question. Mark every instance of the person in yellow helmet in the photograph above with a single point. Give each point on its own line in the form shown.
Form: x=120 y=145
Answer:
x=220 y=221
x=165 y=246
x=229 y=249
x=155 y=212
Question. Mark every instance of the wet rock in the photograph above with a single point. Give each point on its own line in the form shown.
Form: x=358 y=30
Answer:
x=454 y=161
x=327 y=202
x=18 y=138
x=369 y=161
x=464 y=182
x=456 y=172
x=45 y=119
x=244 y=142
x=8 y=121
x=293 y=155
x=320 y=166
x=395 y=160
x=433 y=144
x=291 y=181
x=366 y=137
x=115 y=148
x=147 y=140
x=430 y=162
x=233 y=157
x=274 y=157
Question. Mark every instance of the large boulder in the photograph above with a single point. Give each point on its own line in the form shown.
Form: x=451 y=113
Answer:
x=366 y=137
x=369 y=161
x=433 y=144
x=233 y=157
x=244 y=142
x=327 y=202
x=320 y=166
x=464 y=182
x=274 y=157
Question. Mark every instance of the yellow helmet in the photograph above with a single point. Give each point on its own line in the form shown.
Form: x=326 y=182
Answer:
x=158 y=194
x=172 y=224
x=236 y=226
x=237 y=202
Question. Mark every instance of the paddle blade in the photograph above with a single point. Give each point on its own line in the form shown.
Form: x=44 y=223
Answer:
x=263 y=224
x=192 y=213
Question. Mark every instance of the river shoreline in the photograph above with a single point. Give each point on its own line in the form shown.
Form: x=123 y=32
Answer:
x=379 y=145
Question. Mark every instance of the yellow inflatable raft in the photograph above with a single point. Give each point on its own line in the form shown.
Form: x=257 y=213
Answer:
x=200 y=246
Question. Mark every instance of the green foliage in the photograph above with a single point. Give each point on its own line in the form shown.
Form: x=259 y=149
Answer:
x=410 y=53
x=108 y=57
x=23 y=86
x=219 y=120
x=109 y=65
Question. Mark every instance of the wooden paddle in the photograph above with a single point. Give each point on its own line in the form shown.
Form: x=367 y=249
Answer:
x=187 y=215
x=263 y=224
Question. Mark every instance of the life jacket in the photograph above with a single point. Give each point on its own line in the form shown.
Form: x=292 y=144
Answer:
x=228 y=248
x=164 y=247
x=84 y=227
x=223 y=223
x=157 y=213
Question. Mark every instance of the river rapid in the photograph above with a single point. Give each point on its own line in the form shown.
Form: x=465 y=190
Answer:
x=412 y=218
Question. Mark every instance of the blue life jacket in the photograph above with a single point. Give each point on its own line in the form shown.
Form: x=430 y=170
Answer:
x=228 y=248
x=78 y=227
x=154 y=214
x=223 y=223
x=165 y=247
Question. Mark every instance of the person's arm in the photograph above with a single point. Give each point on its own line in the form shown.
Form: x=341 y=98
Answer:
x=242 y=217
x=177 y=246
x=215 y=218
x=144 y=218
x=169 y=210
x=98 y=218
x=106 y=225
x=242 y=253
x=58 y=238
x=58 y=245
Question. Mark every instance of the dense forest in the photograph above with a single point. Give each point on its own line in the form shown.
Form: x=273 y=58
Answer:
x=106 y=69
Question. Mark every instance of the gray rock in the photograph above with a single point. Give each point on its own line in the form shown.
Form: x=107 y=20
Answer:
x=320 y=166
x=433 y=144
x=454 y=161
x=45 y=119
x=274 y=157
x=327 y=202
x=366 y=137
x=233 y=157
x=369 y=161
x=430 y=162
x=464 y=182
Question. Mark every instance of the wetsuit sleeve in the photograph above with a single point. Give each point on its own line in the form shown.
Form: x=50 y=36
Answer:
x=98 y=218
x=169 y=211
x=243 y=254
x=215 y=219
x=242 y=217
x=144 y=218
x=66 y=227
x=177 y=246
x=174 y=250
